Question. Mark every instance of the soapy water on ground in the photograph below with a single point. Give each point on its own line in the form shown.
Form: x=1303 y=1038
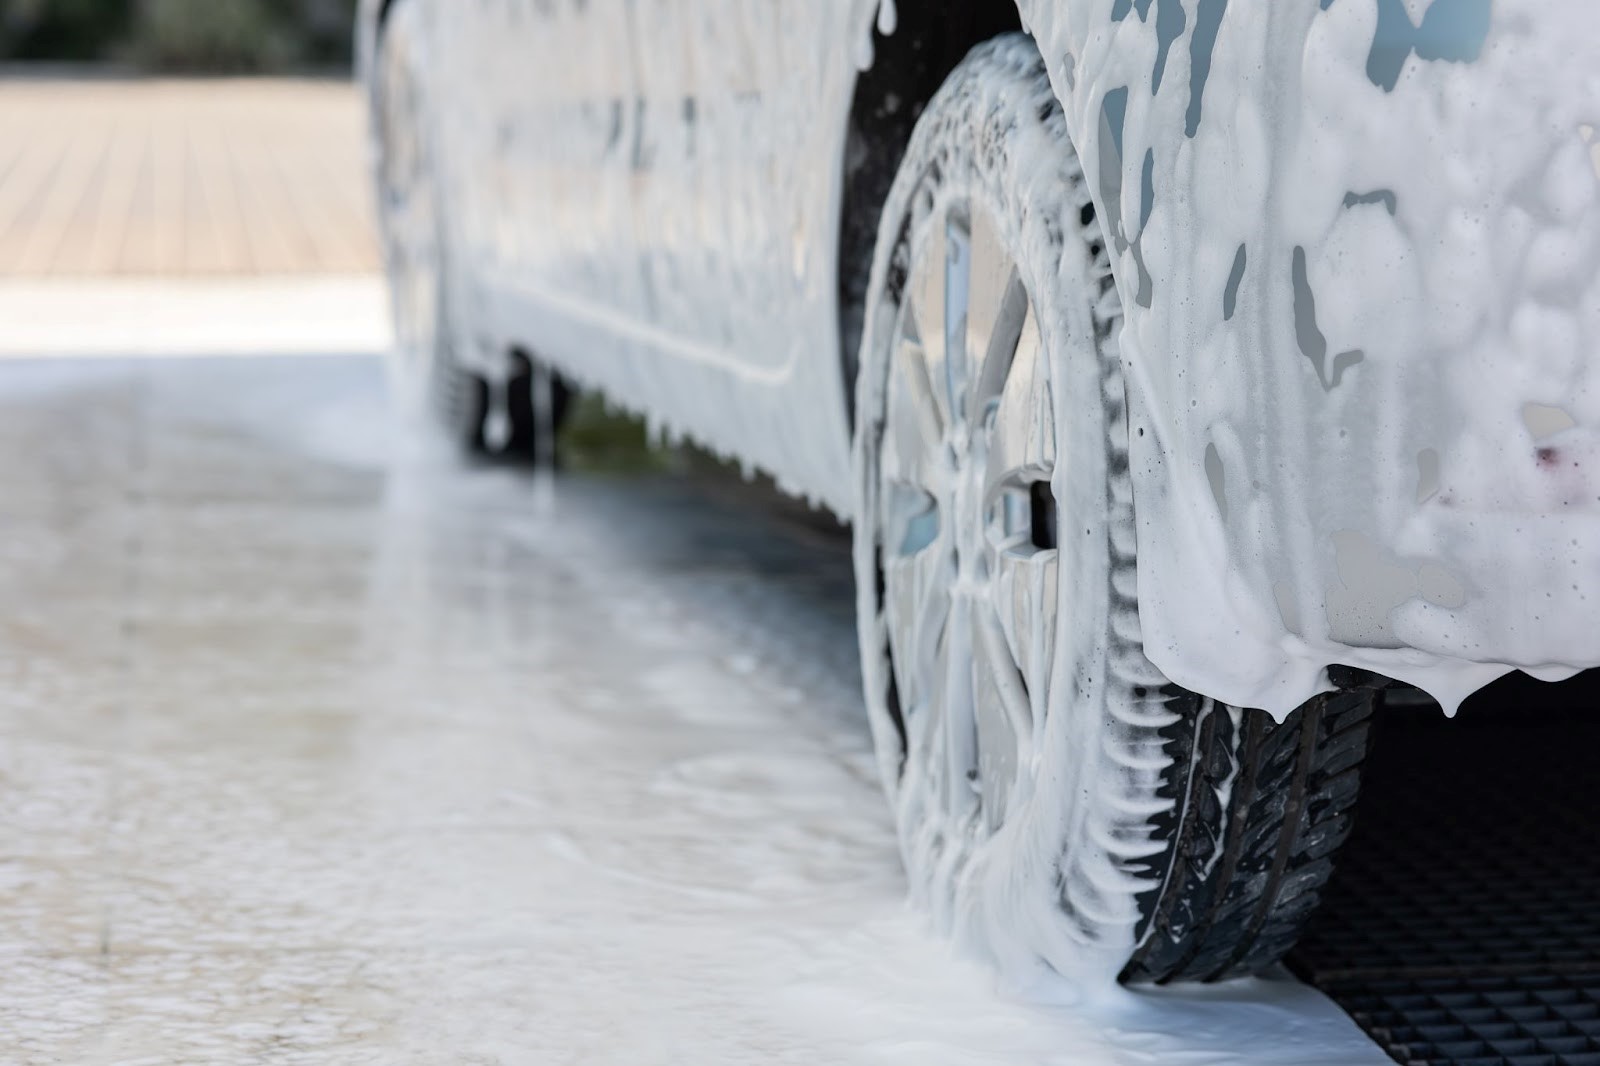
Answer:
x=318 y=744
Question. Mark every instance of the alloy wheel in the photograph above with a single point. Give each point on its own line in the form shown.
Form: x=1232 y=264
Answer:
x=968 y=522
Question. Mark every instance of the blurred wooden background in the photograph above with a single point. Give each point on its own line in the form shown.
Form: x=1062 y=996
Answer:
x=208 y=177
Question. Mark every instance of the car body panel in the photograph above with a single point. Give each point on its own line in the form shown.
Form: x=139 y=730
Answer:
x=1358 y=244
x=1361 y=263
x=623 y=213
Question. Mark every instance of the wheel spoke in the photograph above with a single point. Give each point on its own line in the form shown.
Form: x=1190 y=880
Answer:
x=927 y=314
x=1025 y=595
x=913 y=432
x=917 y=603
x=958 y=714
x=1022 y=445
x=1004 y=719
x=996 y=313
x=957 y=303
x=997 y=660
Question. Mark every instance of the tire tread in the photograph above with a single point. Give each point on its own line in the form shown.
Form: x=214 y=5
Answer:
x=1245 y=875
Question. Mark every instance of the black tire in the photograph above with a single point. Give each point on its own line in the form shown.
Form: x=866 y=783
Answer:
x=537 y=403
x=1243 y=877
x=1160 y=836
x=529 y=400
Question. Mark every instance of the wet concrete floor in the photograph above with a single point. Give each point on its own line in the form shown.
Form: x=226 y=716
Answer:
x=319 y=745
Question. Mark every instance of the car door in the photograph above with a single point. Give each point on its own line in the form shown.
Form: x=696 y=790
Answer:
x=656 y=207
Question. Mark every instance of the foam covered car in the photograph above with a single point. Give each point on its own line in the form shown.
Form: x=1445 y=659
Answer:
x=1187 y=370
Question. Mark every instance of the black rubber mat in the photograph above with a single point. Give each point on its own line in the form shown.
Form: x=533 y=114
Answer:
x=1463 y=924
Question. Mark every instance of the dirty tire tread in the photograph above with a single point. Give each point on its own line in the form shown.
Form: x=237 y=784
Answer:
x=1244 y=877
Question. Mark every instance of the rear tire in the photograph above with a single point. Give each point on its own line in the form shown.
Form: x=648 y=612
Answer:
x=537 y=402
x=515 y=415
x=1059 y=802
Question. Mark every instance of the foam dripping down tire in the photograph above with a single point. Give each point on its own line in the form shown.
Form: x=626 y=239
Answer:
x=1059 y=803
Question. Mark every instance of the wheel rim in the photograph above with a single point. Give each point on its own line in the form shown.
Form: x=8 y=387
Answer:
x=968 y=522
x=406 y=197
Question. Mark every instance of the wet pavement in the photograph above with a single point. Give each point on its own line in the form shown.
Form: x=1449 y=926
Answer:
x=319 y=745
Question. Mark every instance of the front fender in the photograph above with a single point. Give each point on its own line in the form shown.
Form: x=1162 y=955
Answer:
x=1360 y=262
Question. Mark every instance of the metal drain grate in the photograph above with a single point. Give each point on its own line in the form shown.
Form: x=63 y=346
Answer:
x=1481 y=1022
x=1463 y=924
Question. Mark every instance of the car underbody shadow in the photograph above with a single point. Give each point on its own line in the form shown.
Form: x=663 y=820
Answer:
x=1461 y=925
